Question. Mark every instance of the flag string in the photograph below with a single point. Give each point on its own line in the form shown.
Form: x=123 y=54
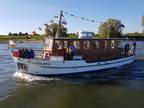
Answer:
x=64 y=21
x=82 y=18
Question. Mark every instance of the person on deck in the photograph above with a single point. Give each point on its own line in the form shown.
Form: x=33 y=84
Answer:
x=127 y=49
x=32 y=54
x=72 y=50
x=134 y=45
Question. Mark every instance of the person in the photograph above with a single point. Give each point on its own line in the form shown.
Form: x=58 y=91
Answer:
x=127 y=49
x=57 y=46
x=23 y=53
x=72 y=50
x=134 y=45
x=16 y=54
x=20 y=53
x=31 y=54
x=26 y=53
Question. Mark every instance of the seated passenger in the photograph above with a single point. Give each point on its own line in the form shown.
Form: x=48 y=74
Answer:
x=71 y=51
x=16 y=54
x=31 y=54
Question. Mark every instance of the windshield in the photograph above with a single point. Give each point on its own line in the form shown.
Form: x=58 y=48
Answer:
x=48 y=43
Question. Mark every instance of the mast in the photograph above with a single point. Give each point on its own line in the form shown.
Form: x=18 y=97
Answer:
x=58 y=34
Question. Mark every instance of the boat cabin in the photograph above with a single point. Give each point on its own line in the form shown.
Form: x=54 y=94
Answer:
x=90 y=50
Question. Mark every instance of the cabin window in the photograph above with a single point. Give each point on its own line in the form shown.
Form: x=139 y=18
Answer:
x=86 y=45
x=76 y=44
x=48 y=43
x=65 y=44
x=112 y=44
x=96 y=44
x=58 y=44
x=105 y=44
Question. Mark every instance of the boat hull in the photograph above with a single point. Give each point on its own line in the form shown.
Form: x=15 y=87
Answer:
x=55 y=68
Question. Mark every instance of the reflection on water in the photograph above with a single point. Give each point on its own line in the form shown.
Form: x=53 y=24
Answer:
x=122 y=87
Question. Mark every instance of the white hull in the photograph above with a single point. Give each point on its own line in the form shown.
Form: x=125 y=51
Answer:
x=50 y=68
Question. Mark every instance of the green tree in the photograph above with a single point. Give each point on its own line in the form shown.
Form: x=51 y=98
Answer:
x=9 y=34
x=51 y=30
x=112 y=28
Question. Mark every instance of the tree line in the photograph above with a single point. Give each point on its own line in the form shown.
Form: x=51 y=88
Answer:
x=112 y=28
x=17 y=34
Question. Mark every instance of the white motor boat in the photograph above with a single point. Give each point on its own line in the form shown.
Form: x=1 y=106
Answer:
x=61 y=56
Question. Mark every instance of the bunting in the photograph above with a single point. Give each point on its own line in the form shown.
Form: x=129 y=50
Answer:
x=55 y=16
x=45 y=24
x=51 y=21
x=82 y=18
x=40 y=28
x=64 y=21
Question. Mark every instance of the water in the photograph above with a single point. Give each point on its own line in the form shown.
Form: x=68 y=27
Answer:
x=122 y=87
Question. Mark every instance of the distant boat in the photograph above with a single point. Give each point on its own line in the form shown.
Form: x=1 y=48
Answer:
x=11 y=44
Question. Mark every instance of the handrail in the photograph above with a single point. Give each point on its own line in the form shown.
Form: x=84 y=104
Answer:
x=29 y=48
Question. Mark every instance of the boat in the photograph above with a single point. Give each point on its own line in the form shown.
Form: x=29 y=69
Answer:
x=65 y=56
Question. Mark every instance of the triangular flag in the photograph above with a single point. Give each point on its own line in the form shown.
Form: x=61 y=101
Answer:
x=46 y=24
x=40 y=28
x=55 y=16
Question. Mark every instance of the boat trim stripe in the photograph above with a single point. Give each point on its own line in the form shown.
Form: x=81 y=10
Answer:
x=132 y=58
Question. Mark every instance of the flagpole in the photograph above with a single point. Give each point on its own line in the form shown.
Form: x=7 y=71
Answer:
x=59 y=25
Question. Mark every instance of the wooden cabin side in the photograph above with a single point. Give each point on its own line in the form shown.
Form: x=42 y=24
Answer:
x=90 y=50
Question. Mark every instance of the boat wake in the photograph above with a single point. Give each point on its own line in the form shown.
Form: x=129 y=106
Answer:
x=32 y=78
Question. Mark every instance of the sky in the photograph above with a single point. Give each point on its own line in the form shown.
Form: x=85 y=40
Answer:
x=29 y=15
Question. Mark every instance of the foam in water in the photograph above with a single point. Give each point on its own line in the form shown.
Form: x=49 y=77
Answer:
x=30 y=78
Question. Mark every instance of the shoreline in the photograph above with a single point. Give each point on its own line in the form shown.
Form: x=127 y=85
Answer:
x=34 y=41
x=24 y=41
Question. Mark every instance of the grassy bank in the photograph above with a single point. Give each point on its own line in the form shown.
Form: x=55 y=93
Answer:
x=5 y=38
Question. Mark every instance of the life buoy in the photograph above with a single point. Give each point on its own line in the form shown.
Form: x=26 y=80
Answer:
x=47 y=55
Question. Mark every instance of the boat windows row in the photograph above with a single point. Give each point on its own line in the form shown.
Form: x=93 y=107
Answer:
x=85 y=44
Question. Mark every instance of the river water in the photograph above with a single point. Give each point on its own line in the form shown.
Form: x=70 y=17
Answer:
x=122 y=87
